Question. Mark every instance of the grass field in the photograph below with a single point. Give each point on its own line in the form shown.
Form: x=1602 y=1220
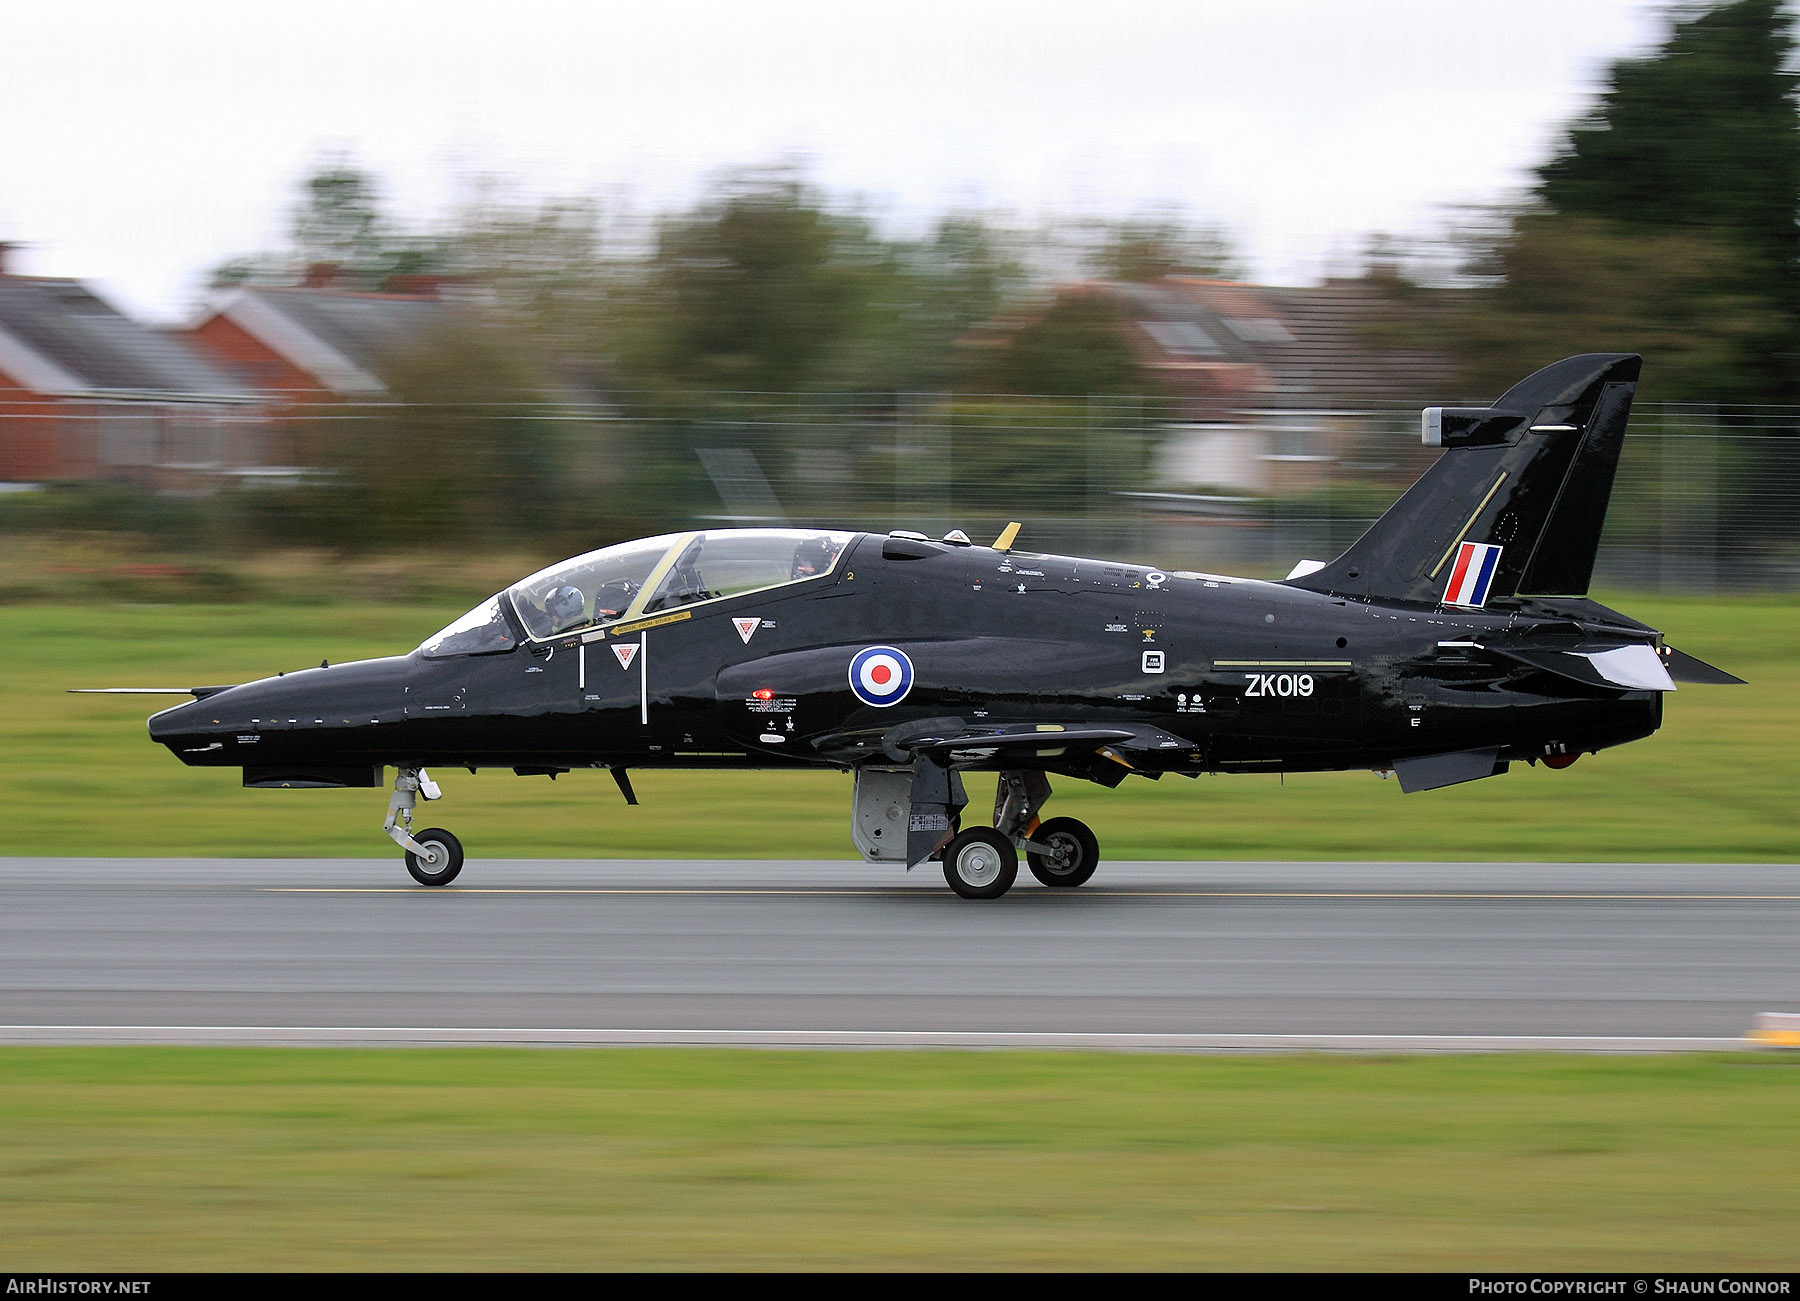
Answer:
x=140 y=1159
x=79 y=776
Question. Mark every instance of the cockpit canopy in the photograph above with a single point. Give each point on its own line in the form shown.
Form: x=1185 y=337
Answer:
x=636 y=578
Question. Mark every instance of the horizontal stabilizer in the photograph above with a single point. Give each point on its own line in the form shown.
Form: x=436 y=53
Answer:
x=1637 y=668
x=1431 y=771
x=1685 y=668
x=1609 y=666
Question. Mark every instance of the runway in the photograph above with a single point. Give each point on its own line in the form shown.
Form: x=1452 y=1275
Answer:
x=1207 y=956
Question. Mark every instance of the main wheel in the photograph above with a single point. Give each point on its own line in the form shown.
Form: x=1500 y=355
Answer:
x=441 y=861
x=1074 y=852
x=980 y=863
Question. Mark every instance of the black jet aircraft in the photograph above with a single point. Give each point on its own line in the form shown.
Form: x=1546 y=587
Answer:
x=1453 y=638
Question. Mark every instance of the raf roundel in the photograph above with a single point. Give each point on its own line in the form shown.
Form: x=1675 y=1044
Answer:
x=881 y=675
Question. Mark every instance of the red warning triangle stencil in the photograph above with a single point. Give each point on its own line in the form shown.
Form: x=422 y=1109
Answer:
x=625 y=651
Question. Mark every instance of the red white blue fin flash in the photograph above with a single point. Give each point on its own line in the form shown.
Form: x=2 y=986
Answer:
x=1473 y=575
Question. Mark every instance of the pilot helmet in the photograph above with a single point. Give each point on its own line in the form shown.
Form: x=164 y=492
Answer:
x=812 y=557
x=614 y=598
x=564 y=605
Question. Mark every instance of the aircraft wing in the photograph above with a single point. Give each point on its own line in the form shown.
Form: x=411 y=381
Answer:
x=958 y=743
x=1025 y=740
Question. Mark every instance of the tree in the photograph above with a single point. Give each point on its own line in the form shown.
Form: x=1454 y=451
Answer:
x=541 y=266
x=461 y=450
x=338 y=220
x=1693 y=150
x=337 y=223
x=1148 y=248
x=922 y=300
x=1682 y=298
x=254 y=269
x=750 y=290
x=1702 y=135
x=1076 y=347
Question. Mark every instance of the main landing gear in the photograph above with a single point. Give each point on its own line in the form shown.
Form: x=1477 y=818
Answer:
x=983 y=862
x=433 y=856
x=1070 y=855
x=980 y=863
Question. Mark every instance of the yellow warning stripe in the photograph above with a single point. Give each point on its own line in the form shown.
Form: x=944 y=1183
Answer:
x=641 y=624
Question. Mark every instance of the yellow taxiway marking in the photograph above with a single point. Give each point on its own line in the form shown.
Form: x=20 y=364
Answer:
x=1115 y=893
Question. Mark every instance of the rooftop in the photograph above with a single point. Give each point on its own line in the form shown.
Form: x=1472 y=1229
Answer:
x=57 y=337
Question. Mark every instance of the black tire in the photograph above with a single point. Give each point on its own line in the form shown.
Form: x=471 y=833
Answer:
x=980 y=863
x=1075 y=852
x=445 y=861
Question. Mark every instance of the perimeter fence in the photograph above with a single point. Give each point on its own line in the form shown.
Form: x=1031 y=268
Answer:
x=1707 y=497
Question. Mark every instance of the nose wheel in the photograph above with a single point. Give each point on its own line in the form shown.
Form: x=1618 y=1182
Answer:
x=437 y=860
x=433 y=856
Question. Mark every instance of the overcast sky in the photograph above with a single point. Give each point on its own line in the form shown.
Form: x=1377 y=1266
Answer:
x=145 y=142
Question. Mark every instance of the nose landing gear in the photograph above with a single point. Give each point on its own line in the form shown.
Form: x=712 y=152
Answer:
x=440 y=860
x=433 y=856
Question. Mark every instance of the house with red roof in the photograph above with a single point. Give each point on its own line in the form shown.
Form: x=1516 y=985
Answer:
x=88 y=393
x=317 y=342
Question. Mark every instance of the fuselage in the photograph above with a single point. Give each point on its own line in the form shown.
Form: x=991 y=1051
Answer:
x=1233 y=675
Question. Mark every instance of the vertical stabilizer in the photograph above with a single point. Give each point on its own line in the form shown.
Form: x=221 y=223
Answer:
x=1515 y=504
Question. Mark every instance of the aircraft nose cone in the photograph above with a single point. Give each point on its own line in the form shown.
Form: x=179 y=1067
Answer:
x=252 y=722
x=191 y=731
x=175 y=722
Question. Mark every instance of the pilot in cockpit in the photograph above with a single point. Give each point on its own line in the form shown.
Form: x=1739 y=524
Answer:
x=613 y=599
x=565 y=606
x=813 y=557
